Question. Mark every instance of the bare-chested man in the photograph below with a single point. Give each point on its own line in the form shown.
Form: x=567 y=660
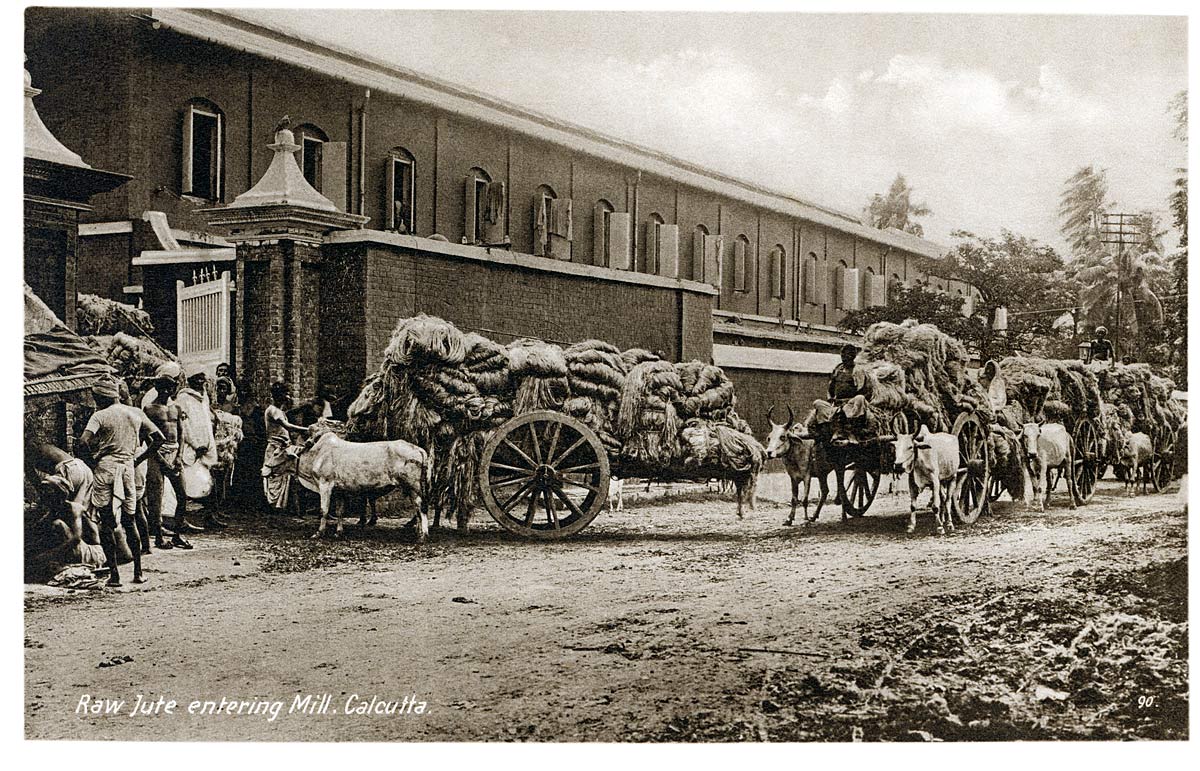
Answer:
x=112 y=436
x=165 y=463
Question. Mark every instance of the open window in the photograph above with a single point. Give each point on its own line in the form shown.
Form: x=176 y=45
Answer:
x=203 y=151
x=543 y=205
x=401 y=167
x=651 y=242
x=484 y=209
x=310 y=156
x=601 y=248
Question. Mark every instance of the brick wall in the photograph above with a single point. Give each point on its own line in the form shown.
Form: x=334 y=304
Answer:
x=104 y=264
x=503 y=302
x=50 y=263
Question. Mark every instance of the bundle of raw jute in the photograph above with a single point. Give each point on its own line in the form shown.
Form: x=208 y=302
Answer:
x=711 y=444
x=95 y=315
x=133 y=359
x=647 y=423
x=1054 y=389
x=932 y=381
x=486 y=363
x=706 y=391
x=596 y=376
x=539 y=376
x=635 y=356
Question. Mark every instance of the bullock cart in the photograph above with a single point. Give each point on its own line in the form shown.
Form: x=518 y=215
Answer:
x=1035 y=390
x=910 y=375
x=533 y=431
x=545 y=475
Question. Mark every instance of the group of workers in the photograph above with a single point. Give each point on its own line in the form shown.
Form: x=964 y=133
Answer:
x=198 y=441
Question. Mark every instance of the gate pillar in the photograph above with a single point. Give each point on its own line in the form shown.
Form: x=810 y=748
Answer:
x=277 y=227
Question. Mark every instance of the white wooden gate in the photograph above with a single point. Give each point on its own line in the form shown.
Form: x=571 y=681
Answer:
x=202 y=321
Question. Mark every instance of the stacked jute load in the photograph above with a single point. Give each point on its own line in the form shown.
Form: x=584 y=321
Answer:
x=95 y=315
x=1058 y=390
x=917 y=368
x=133 y=359
x=443 y=390
x=1146 y=396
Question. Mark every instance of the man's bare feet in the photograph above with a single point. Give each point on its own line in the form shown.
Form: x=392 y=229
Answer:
x=139 y=579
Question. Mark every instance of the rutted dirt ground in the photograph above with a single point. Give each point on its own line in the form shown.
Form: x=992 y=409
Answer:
x=1070 y=624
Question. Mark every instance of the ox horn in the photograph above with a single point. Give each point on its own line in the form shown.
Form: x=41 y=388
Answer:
x=770 y=412
x=791 y=415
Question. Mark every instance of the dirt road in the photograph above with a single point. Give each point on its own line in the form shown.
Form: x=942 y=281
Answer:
x=638 y=630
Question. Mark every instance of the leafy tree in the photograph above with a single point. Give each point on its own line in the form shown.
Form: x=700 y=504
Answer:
x=1081 y=208
x=1133 y=273
x=1018 y=273
x=1177 y=306
x=896 y=209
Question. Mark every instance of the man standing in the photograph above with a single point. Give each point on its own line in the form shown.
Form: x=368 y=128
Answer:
x=1102 y=348
x=165 y=463
x=112 y=436
x=198 y=451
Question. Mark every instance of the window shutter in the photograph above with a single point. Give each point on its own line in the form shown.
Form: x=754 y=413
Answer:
x=185 y=182
x=810 y=280
x=697 y=255
x=739 y=265
x=389 y=212
x=668 y=251
x=851 y=297
x=618 y=240
x=561 y=229
x=776 y=274
x=821 y=284
x=219 y=183
x=649 y=262
x=469 y=209
x=711 y=260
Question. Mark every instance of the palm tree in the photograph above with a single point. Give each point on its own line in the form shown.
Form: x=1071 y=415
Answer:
x=1139 y=303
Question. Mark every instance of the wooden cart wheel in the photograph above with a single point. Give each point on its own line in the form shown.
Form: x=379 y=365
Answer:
x=1086 y=460
x=974 y=470
x=857 y=485
x=1162 y=467
x=544 y=475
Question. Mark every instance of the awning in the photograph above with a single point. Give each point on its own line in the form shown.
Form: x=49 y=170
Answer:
x=56 y=359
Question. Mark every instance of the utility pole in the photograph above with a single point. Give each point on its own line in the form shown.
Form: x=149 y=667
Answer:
x=1119 y=229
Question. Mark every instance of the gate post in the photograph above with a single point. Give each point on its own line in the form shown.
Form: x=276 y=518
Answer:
x=278 y=227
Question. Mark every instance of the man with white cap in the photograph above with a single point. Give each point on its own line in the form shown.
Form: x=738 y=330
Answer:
x=198 y=444
x=112 y=437
x=165 y=463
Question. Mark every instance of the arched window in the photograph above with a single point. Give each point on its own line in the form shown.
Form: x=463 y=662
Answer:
x=839 y=284
x=401 y=201
x=312 y=142
x=203 y=158
x=601 y=225
x=543 y=201
x=483 y=208
x=741 y=263
x=651 y=243
x=778 y=268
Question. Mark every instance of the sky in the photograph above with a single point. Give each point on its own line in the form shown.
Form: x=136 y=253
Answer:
x=986 y=116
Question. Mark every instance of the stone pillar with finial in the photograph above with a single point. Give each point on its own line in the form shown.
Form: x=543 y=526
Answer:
x=58 y=187
x=278 y=227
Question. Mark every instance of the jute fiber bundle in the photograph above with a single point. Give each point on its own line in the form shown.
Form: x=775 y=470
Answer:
x=647 y=423
x=706 y=391
x=1051 y=389
x=635 y=356
x=932 y=381
x=486 y=362
x=539 y=375
x=596 y=375
x=134 y=359
x=711 y=444
x=95 y=315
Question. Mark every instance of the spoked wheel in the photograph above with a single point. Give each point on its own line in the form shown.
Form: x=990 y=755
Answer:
x=974 y=476
x=1085 y=462
x=544 y=475
x=1162 y=468
x=857 y=485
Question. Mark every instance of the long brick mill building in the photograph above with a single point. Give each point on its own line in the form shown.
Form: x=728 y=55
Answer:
x=433 y=199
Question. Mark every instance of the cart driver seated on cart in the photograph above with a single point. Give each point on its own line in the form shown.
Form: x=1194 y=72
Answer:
x=849 y=391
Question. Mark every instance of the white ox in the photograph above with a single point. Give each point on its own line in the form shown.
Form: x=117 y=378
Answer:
x=803 y=458
x=1136 y=453
x=930 y=460
x=333 y=464
x=1048 y=446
